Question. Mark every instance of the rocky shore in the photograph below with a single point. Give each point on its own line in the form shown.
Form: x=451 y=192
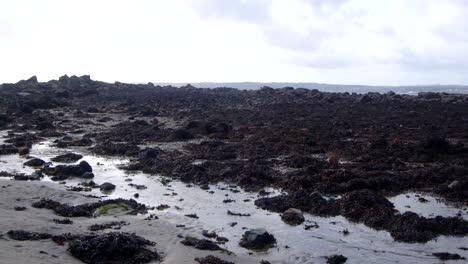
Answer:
x=331 y=154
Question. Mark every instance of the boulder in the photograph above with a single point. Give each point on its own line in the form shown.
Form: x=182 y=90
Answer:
x=293 y=216
x=107 y=186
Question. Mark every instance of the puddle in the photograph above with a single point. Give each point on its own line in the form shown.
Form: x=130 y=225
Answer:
x=426 y=205
x=295 y=244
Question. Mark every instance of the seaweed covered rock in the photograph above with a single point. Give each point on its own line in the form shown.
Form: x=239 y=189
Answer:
x=257 y=239
x=410 y=227
x=67 y=158
x=106 y=207
x=311 y=202
x=336 y=259
x=372 y=209
x=22 y=235
x=202 y=244
x=447 y=256
x=116 y=248
x=116 y=149
x=112 y=209
x=212 y=260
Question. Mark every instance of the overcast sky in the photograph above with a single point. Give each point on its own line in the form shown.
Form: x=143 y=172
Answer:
x=393 y=42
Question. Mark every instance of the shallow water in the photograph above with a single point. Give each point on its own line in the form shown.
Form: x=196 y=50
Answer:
x=361 y=245
x=431 y=206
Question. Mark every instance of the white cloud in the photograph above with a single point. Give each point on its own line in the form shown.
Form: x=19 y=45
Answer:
x=336 y=41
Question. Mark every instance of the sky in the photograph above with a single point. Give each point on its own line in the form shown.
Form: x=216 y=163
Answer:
x=385 y=42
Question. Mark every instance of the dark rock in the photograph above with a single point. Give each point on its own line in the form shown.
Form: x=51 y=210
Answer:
x=336 y=259
x=64 y=171
x=138 y=186
x=293 y=216
x=437 y=145
x=116 y=149
x=257 y=239
x=113 y=224
x=149 y=153
x=35 y=176
x=162 y=207
x=65 y=221
x=207 y=234
x=182 y=134
x=192 y=216
x=236 y=214
x=217 y=128
x=212 y=260
x=87 y=175
x=202 y=244
x=7 y=149
x=67 y=158
x=35 y=162
x=107 y=186
x=4 y=120
x=447 y=256
x=23 y=151
x=22 y=235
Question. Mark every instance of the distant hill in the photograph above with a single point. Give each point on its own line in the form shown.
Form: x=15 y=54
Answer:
x=412 y=89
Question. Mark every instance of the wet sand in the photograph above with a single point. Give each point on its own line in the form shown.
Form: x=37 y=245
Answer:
x=17 y=193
